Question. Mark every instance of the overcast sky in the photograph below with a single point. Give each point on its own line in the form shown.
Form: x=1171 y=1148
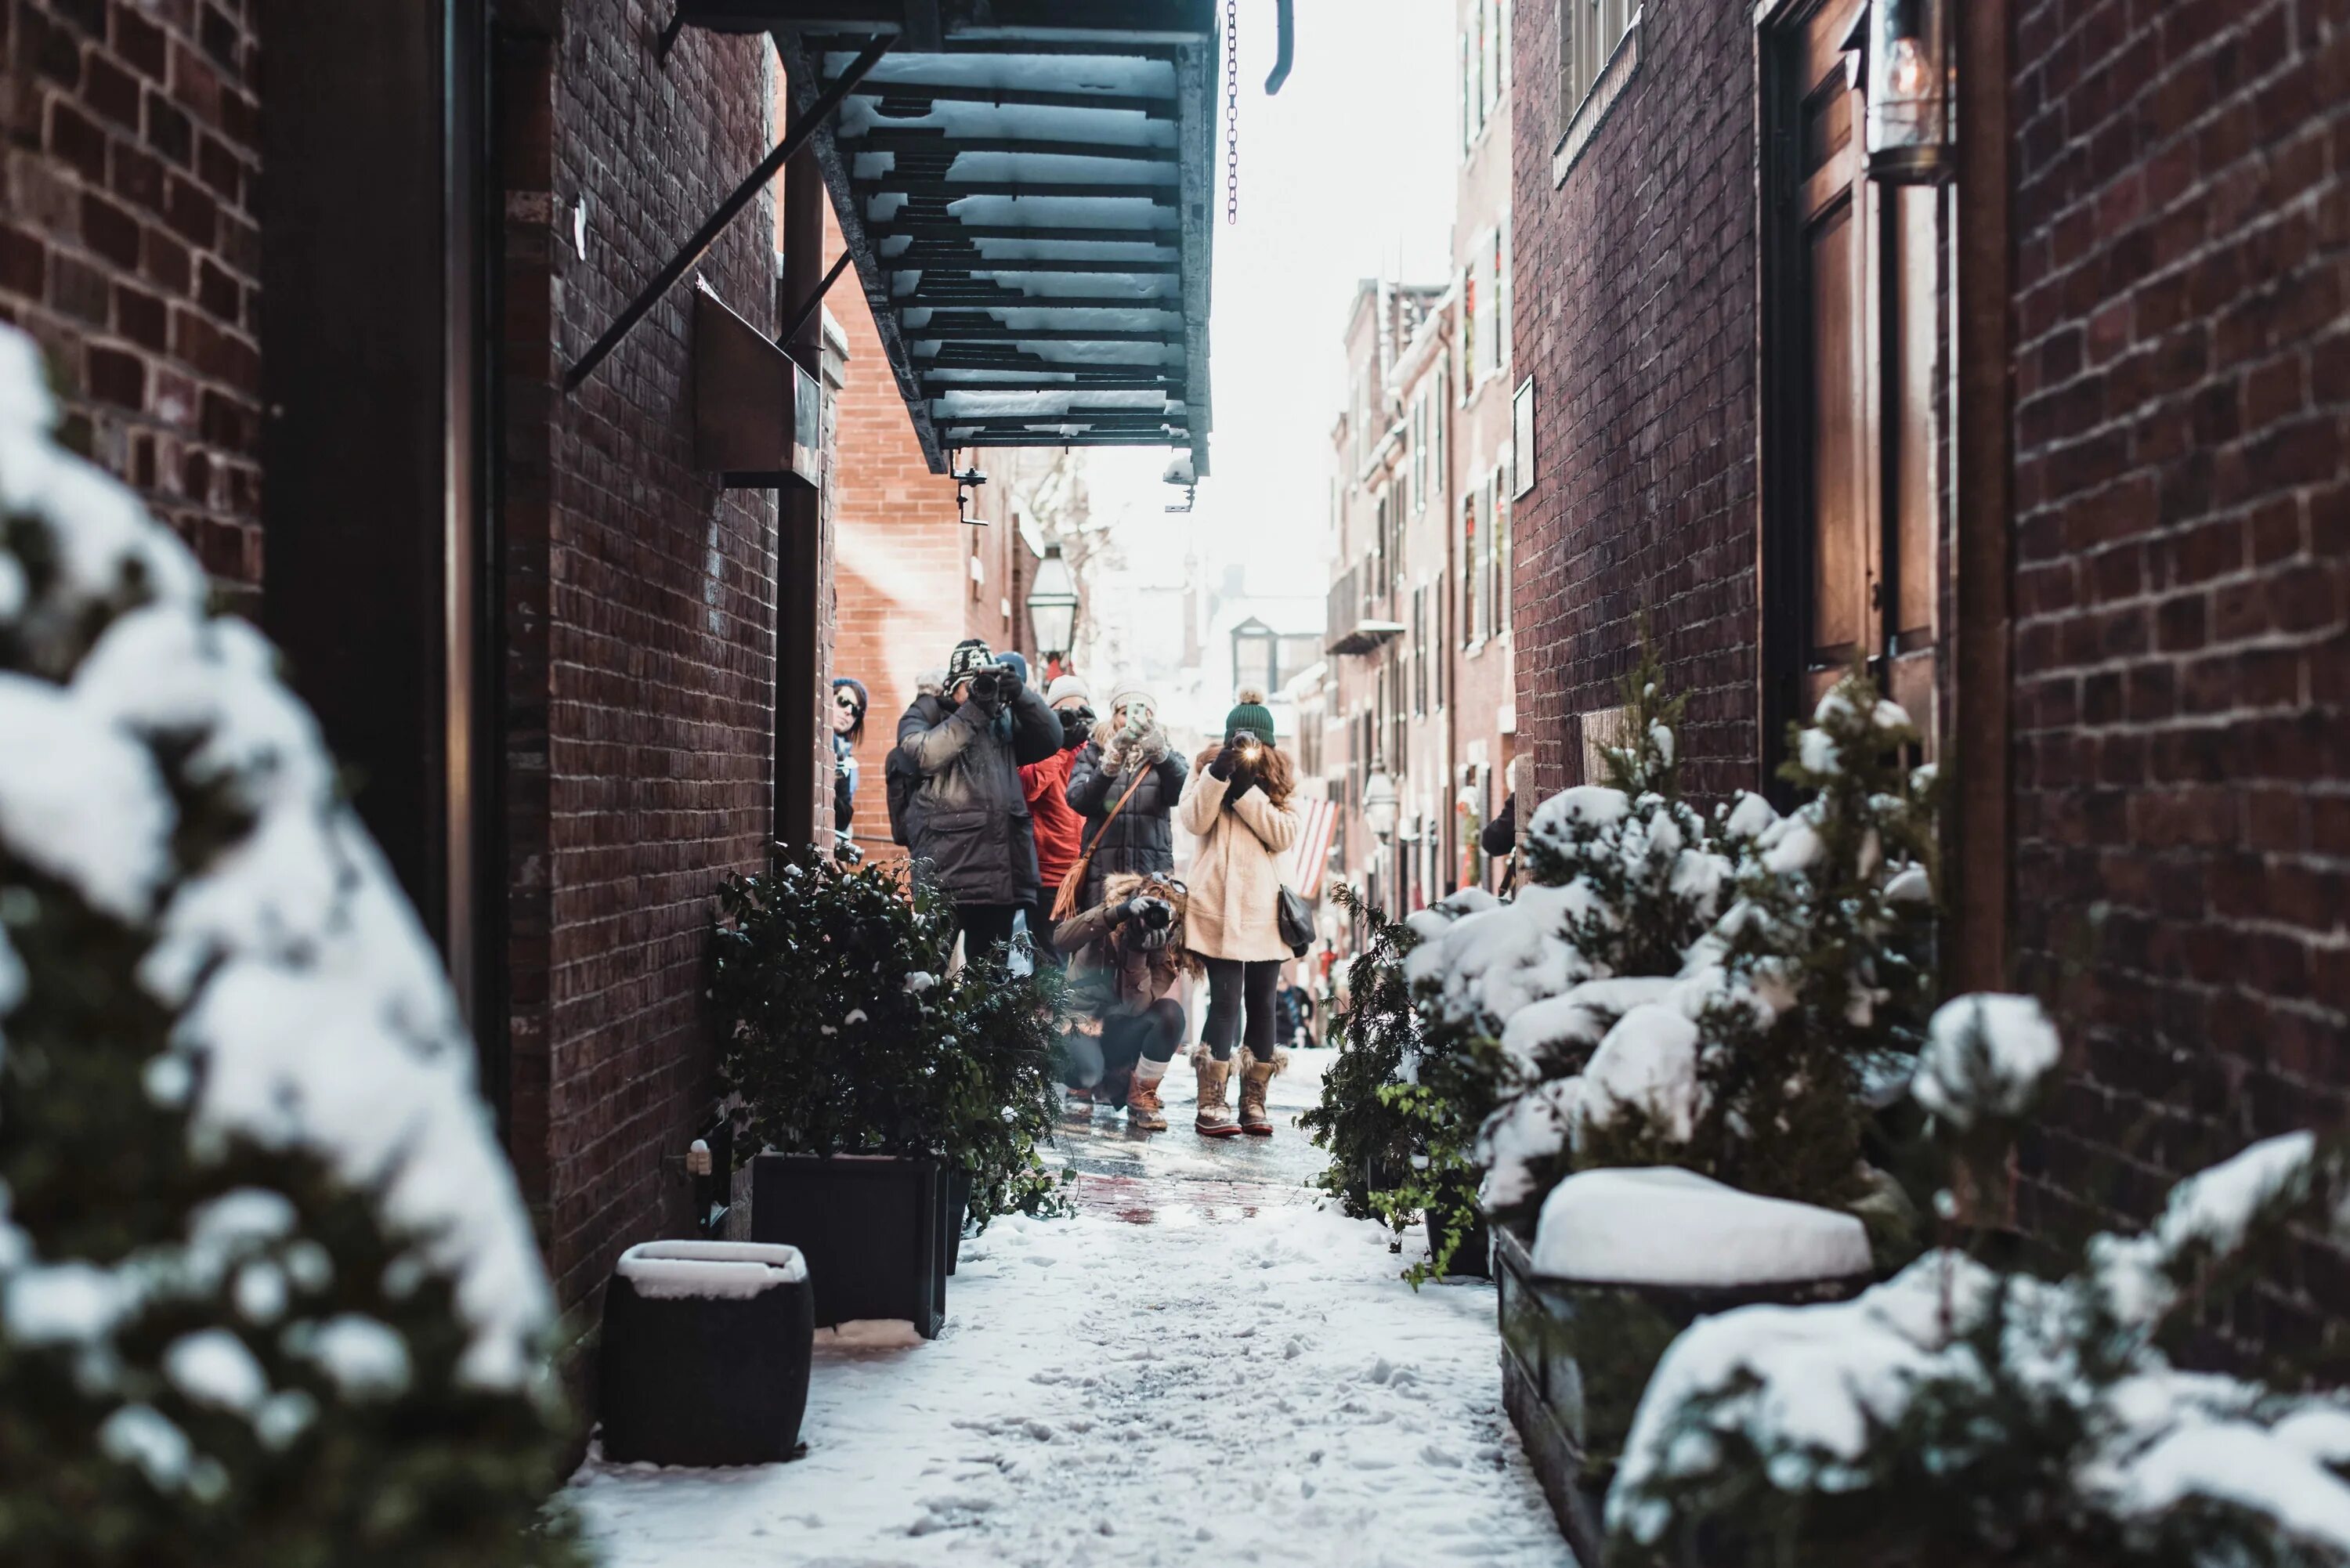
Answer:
x=1347 y=174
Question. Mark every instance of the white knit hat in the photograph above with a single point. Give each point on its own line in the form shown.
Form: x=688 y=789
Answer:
x=1063 y=687
x=1130 y=694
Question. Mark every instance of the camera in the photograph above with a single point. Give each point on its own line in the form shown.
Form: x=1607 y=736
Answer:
x=1246 y=743
x=991 y=686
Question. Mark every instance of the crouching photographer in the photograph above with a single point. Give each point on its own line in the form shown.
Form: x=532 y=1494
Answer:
x=1126 y=955
x=971 y=821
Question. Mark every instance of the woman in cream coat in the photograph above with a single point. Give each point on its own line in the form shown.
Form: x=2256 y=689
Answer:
x=1236 y=804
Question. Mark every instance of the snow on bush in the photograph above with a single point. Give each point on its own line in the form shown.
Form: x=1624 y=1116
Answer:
x=266 y=1287
x=1957 y=1414
x=1987 y=1058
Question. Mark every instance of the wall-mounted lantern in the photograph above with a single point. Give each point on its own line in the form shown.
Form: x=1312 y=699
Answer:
x=1053 y=606
x=1908 y=126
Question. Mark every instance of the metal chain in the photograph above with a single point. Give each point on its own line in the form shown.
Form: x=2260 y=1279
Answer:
x=1232 y=111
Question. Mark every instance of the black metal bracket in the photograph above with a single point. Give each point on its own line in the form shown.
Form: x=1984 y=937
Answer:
x=808 y=307
x=1285 y=47
x=715 y=225
x=668 y=35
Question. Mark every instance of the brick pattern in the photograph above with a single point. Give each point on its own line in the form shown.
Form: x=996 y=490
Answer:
x=129 y=249
x=641 y=604
x=1634 y=315
x=2182 y=588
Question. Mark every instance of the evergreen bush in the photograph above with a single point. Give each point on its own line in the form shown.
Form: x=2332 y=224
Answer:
x=843 y=1032
x=1961 y=1415
x=267 y=1292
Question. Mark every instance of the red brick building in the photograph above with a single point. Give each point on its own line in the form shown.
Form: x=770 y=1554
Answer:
x=2062 y=445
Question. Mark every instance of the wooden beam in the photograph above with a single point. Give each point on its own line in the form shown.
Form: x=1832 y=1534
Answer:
x=947 y=229
x=900 y=141
x=1026 y=98
x=1033 y=334
x=954 y=190
x=925 y=300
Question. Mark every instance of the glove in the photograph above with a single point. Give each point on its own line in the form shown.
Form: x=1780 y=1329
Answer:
x=1132 y=908
x=1228 y=760
x=1077 y=727
x=1114 y=755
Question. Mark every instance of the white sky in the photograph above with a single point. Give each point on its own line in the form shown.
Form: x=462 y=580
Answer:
x=1347 y=174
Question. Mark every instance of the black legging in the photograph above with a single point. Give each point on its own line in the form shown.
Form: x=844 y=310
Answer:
x=1230 y=982
x=1155 y=1032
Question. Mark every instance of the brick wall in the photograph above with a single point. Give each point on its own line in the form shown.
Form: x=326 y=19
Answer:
x=128 y=250
x=639 y=605
x=2182 y=586
x=1634 y=315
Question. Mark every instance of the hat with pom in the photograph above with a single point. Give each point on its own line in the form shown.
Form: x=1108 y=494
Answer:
x=1066 y=687
x=1250 y=713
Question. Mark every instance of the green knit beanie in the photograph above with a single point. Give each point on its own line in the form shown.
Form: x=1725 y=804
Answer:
x=1251 y=714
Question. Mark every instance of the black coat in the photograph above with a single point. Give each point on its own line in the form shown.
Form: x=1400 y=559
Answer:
x=969 y=814
x=1142 y=839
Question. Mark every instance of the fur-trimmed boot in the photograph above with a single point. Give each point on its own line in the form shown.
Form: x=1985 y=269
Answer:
x=1256 y=1078
x=1143 y=1111
x=1215 y=1117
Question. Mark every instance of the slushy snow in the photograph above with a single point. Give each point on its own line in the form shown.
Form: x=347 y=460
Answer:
x=1251 y=1387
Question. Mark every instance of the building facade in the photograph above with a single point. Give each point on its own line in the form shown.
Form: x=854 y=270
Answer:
x=2057 y=443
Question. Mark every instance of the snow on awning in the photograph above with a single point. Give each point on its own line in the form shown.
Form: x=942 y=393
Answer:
x=1027 y=204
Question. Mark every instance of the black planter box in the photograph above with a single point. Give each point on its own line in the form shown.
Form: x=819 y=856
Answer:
x=956 y=1190
x=871 y=1227
x=1575 y=1358
x=705 y=1354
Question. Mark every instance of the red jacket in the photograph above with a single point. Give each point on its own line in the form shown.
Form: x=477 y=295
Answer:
x=1059 y=830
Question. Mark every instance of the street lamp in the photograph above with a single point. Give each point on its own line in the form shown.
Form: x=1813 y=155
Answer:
x=1052 y=605
x=1380 y=805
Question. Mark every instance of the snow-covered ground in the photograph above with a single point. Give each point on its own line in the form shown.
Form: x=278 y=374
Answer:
x=1187 y=1372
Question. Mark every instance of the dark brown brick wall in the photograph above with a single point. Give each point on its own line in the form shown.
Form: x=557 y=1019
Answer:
x=2182 y=583
x=128 y=250
x=1634 y=315
x=639 y=614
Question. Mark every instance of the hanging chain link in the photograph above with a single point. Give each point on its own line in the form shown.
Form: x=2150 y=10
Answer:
x=1232 y=111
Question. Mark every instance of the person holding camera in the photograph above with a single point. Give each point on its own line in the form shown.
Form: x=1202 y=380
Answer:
x=970 y=818
x=1124 y=783
x=1060 y=831
x=1126 y=955
x=1237 y=807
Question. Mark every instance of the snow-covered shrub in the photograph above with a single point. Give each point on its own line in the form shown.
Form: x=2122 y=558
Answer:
x=843 y=1032
x=1371 y=1142
x=1957 y=1415
x=1753 y=1069
x=267 y=1291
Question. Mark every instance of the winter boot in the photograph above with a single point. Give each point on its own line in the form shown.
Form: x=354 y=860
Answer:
x=1143 y=1111
x=1215 y=1117
x=1256 y=1077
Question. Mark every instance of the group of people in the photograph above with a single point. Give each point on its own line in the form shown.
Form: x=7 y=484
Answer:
x=1050 y=823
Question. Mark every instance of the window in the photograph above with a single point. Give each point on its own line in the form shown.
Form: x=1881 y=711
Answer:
x=1472 y=625
x=1503 y=294
x=1489 y=18
x=1419 y=652
x=1589 y=32
x=1502 y=582
x=1418 y=428
x=1438 y=592
x=1473 y=316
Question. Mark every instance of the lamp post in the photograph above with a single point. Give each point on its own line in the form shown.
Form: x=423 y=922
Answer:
x=1379 y=808
x=1909 y=119
x=1053 y=609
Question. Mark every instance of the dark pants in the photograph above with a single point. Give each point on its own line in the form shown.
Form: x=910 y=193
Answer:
x=987 y=927
x=1231 y=984
x=1155 y=1032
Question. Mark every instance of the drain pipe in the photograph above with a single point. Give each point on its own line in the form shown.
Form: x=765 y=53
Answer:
x=1285 y=48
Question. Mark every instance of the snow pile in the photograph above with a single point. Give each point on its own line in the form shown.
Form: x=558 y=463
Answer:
x=1665 y=1226
x=1952 y=1383
x=1478 y=968
x=1987 y=1057
x=710 y=1271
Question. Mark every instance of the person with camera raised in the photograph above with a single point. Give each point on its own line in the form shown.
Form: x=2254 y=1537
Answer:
x=1237 y=805
x=971 y=822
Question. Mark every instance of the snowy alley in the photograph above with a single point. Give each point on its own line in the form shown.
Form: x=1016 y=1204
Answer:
x=1201 y=1366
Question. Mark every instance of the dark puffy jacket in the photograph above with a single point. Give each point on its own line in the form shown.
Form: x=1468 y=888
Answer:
x=969 y=816
x=1142 y=839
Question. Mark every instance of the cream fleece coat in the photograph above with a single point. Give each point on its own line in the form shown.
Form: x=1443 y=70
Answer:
x=1234 y=912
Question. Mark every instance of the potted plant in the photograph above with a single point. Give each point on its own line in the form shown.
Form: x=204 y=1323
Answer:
x=868 y=1073
x=1675 y=1001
